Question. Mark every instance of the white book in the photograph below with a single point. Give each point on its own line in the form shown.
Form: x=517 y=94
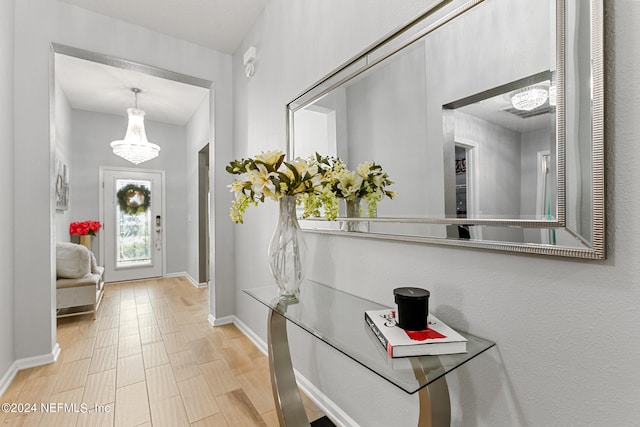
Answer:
x=437 y=339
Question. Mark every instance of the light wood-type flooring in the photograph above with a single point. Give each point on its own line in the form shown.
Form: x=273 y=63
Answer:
x=150 y=358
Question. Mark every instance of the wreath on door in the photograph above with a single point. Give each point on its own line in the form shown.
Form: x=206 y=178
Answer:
x=134 y=199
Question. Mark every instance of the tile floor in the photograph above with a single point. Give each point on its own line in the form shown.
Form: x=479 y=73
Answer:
x=150 y=358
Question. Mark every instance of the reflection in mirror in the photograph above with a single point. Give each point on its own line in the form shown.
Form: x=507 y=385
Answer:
x=486 y=121
x=501 y=144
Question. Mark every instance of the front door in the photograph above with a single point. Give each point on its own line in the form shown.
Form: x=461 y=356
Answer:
x=133 y=224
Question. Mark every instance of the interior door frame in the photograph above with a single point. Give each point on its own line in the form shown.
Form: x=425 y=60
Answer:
x=163 y=207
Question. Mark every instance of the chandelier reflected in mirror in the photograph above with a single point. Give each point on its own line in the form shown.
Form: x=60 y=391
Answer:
x=529 y=98
x=135 y=147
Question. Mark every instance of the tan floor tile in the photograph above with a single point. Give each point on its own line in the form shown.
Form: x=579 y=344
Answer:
x=271 y=419
x=175 y=342
x=230 y=330
x=247 y=347
x=204 y=350
x=63 y=408
x=237 y=361
x=31 y=419
x=154 y=354
x=169 y=413
x=161 y=383
x=167 y=325
x=36 y=389
x=80 y=349
x=100 y=388
x=103 y=359
x=129 y=327
x=184 y=365
x=257 y=385
x=220 y=379
x=130 y=370
x=100 y=418
x=184 y=317
x=107 y=337
x=128 y=346
x=216 y=420
x=238 y=409
x=193 y=331
x=143 y=307
x=72 y=375
x=48 y=369
x=146 y=319
x=198 y=400
x=132 y=405
x=108 y=322
x=149 y=334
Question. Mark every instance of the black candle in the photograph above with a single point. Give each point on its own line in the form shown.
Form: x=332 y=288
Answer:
x=412 y=308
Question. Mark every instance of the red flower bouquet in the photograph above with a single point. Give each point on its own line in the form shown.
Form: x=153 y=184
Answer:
x=85 y=228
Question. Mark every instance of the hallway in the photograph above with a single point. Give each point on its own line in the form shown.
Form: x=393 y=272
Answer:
x=150 y=358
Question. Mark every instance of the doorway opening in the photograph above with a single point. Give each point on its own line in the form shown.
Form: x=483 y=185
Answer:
x=204 y=206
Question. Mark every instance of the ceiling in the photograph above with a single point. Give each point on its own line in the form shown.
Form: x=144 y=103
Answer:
x=216 y=24
x=92 y=86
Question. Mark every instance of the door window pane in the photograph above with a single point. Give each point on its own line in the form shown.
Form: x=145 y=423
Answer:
x=133 y=229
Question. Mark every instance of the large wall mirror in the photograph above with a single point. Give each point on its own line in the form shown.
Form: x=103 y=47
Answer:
x=487 y=115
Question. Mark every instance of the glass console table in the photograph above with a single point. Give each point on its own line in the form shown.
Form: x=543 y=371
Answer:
x=337 y=318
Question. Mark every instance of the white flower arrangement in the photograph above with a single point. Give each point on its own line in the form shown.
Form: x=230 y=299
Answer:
x=368 y=182
x=318 y=181
x=267 y=175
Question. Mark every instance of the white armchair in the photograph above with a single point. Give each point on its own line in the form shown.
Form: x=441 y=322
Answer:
x=79 y=280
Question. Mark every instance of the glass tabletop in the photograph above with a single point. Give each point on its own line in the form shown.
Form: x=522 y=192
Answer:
x=337 y=318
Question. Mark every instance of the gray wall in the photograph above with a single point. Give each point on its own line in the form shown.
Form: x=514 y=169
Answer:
x=91 y=135
x=566 y=329
x=62 y=117
x=197 y=132
x=37 y=23
x=6 y=190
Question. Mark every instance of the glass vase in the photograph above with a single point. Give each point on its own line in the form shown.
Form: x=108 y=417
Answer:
x=287 y=251
x=353 y=211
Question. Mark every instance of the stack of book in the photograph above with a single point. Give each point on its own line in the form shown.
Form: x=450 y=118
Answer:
x=437 y=339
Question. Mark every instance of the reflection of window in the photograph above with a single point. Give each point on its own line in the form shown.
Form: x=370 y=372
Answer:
x=133 y=234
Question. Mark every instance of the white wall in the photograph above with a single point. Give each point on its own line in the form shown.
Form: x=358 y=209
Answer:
x=566 y=329
x=91 y=135
x=6 y=190
x=37 y=24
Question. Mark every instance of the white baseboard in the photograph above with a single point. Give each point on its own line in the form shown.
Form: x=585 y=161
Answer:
x=220 y=321
x=333 y=411
x=25 y=363
x=8 y=376
x=44 y=359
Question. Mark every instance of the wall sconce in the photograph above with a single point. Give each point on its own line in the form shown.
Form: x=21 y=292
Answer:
x=249 y=60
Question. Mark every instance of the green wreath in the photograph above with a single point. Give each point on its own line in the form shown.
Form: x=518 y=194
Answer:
x=134 y=199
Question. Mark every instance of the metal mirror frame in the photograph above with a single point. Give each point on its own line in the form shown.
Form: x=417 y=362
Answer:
x=411 y=32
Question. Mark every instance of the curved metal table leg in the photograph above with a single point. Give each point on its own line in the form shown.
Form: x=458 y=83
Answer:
x=283 y=381
x=435 y=406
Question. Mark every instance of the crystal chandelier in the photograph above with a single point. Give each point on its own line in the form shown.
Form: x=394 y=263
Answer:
x=135 y=147
x=529 y=98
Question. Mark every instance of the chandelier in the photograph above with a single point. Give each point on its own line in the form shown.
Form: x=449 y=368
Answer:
x=135 y=147
x=529 y=98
